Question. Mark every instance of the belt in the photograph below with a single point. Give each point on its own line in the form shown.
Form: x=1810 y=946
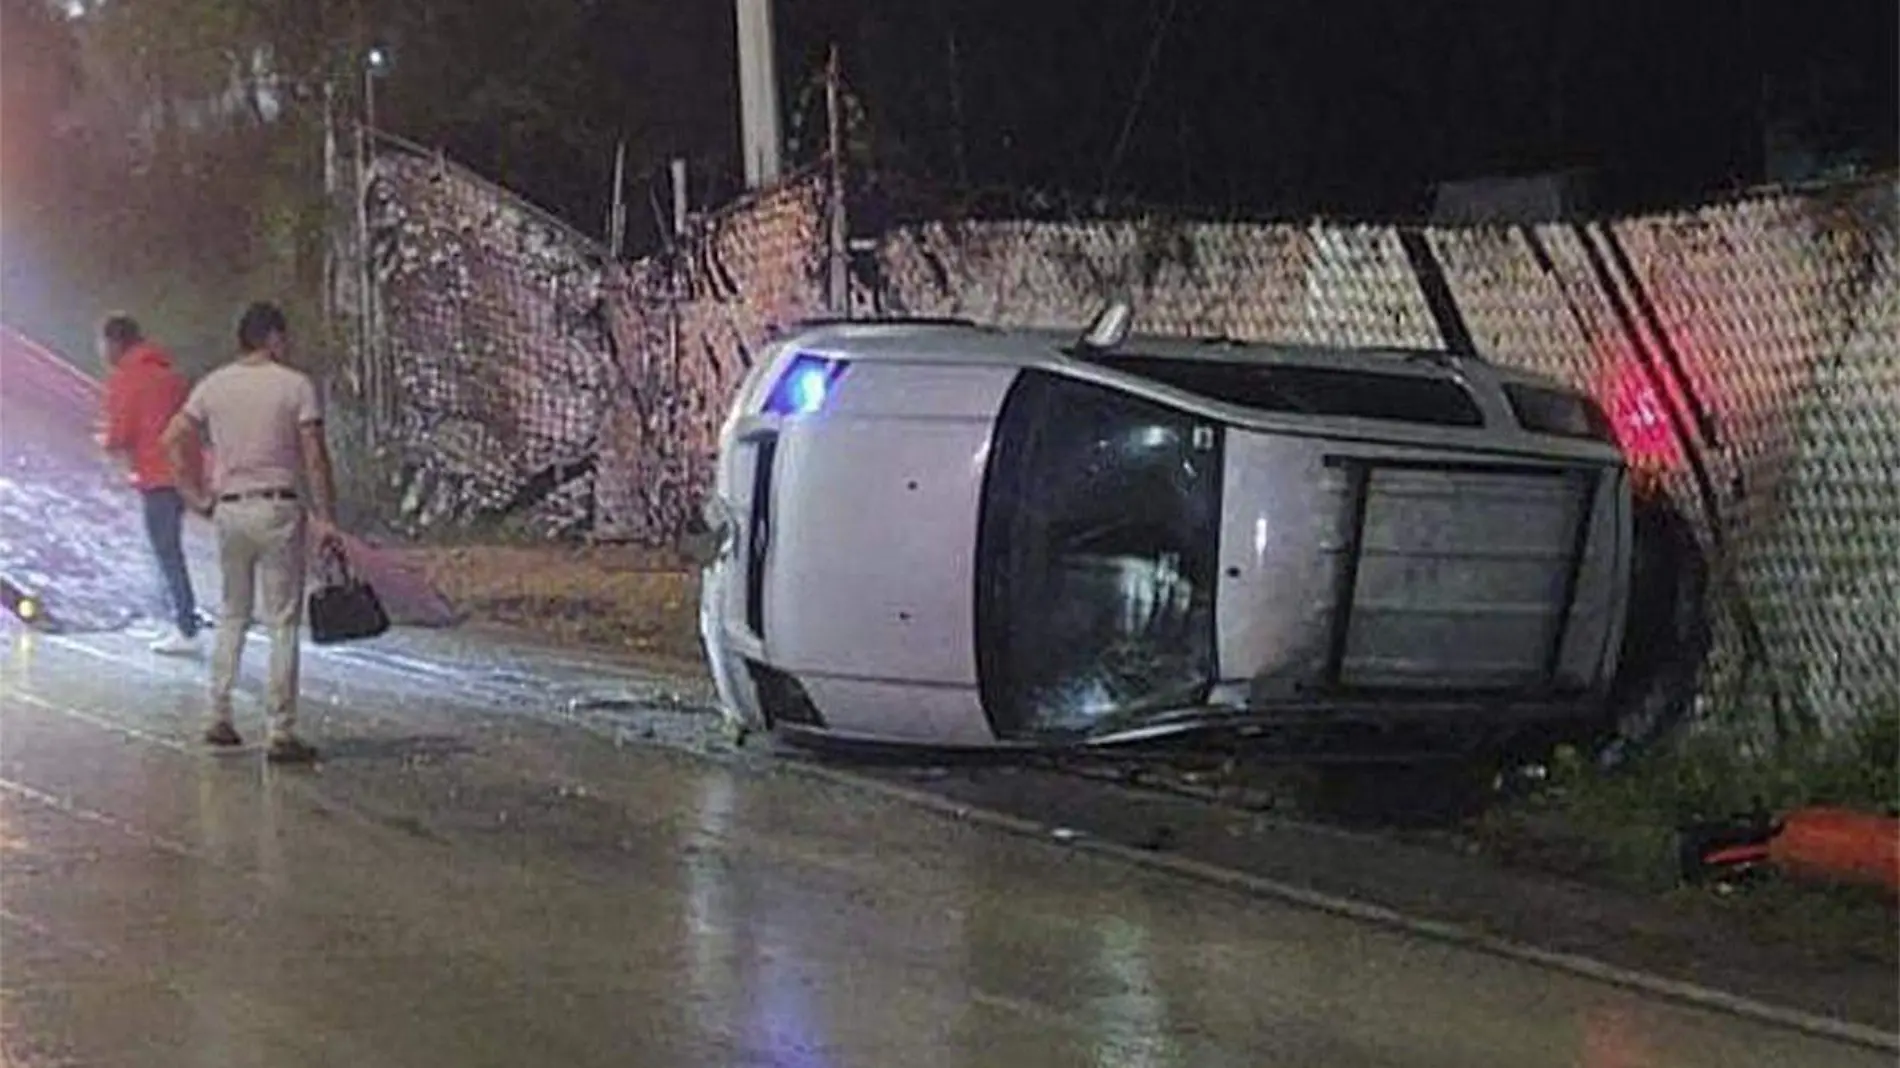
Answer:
x=258 y=495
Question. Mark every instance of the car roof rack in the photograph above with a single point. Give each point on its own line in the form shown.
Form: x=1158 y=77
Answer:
x=899 y=320
x=1440 y=357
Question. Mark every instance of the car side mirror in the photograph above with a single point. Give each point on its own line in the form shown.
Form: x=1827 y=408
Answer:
x=708 y=538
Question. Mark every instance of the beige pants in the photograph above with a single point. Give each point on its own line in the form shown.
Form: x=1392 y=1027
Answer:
x=261 y=553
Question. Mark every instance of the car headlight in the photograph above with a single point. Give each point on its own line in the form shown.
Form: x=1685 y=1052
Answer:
x=805 y=386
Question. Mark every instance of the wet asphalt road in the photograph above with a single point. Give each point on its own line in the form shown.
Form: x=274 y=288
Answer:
x=471 y=879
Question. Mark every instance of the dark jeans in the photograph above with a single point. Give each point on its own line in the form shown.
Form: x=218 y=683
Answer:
x=165 y=525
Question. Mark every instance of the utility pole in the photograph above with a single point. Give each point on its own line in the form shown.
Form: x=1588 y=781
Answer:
x=679 y=197
x=957 y=131
x=840 y=277
x=617 y=208
x=369 y=378
x=330 y=205
x=758 y=93
x=379 y=376
x=676 y=290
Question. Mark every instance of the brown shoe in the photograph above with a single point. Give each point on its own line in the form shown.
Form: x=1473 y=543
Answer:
x=289 y=749
x=222 y=735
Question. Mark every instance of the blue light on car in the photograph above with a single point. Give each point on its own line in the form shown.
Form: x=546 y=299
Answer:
x=807 y=388
x=804 y=387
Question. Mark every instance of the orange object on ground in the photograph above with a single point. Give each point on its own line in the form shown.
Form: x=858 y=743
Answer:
x=1839 y=843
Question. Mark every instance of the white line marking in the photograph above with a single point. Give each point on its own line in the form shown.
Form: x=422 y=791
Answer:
x=102 y=722
x=1439 y=930
x=28 y=923
x=87 y=815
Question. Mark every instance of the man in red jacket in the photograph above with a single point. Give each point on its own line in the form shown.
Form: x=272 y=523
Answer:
x=142 y=393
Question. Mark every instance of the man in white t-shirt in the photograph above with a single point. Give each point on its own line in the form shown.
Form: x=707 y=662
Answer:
x=265 y=423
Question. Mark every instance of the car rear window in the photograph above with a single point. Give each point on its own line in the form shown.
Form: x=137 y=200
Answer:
x=1552 y=411
x=1323 y=391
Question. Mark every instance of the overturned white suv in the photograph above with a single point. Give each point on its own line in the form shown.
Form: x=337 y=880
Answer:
x=932 y=532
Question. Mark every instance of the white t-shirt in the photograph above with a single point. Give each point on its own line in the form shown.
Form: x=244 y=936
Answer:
x=253 y=412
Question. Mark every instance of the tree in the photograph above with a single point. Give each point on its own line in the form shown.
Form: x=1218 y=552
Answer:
x=39 y=79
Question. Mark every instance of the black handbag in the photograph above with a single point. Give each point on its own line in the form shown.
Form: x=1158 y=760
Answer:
x=343 y=608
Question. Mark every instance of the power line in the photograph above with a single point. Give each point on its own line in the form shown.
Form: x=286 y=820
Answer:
x=1141 y=93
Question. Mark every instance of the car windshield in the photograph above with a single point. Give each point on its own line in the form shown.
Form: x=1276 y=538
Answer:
x=1096 y=559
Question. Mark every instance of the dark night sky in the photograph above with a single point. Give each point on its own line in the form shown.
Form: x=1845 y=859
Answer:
x=1254 y=107
x=1351 y=106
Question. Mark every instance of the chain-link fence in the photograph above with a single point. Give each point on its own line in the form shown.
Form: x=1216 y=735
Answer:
x=1750 y=350
x=684 y=327
x=1772 y=325
x=482 y=353
x=507 y=371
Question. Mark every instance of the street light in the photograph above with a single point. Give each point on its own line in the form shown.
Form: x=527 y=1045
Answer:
x=375 y=61
x=373 y=65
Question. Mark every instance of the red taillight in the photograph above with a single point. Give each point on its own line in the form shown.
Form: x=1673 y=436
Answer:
x=1640 y=420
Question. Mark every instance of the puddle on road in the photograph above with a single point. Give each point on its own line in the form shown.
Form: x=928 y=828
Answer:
x=606 y=703
x=627 y=702
x=70 y=528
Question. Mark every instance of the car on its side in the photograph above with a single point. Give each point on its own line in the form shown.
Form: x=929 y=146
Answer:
x=937 y=533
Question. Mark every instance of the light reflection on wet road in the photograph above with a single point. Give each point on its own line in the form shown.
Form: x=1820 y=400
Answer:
x=469 y=883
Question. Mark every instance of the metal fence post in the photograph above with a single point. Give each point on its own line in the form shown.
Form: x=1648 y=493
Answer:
x=838 y=275
x=369 y=369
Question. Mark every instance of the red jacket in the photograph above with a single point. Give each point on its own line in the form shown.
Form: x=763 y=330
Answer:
x=142 y=394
